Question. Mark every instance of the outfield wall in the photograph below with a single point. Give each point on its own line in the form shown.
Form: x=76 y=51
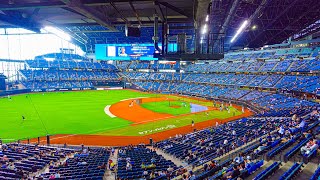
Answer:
x=14 y=92
x=61 y=89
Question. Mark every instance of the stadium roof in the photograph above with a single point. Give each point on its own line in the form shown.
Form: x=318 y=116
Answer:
x=93 y=21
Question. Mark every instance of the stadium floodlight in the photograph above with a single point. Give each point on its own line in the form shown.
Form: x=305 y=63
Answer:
x=254 y=27
x=58 y=33
x=239 y=31
x=207 y=18
x=204 y=30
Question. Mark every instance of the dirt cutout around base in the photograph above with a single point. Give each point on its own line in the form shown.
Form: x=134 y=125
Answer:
x=176 y=107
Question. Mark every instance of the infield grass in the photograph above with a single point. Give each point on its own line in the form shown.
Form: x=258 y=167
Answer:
x=168 y=107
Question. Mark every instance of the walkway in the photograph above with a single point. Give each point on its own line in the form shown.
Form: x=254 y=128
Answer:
x=108 y=175
x=167 y=156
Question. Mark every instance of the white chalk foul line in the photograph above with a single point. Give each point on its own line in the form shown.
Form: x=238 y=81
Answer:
x=107 y=111
x=133 y=98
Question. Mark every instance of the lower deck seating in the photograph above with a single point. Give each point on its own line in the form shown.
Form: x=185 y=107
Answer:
x=19 y=160
x=140 y=162
x=267 y=172
x=90 y=165
x=191 y=146
x=295 y=169
x=296 y=148
x=316 y=174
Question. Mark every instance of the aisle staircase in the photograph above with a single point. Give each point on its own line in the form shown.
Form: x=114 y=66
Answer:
x=108 y=175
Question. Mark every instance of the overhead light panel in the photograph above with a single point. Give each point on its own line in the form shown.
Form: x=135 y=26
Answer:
x=205 y=28
x=254 y=27
x=207 y=18
x=240 y=30
x=58 y=33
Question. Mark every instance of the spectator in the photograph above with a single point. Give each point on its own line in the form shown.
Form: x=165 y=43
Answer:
x=232 y=174
x=128 y=166
x=248 y=162
x=112 y=151
x=103 y=166
x=145 y=173
x=83 y=163
x=239 y=159
x=11 y=166
x=5 y=158
x=263 y=147
x=225 y=142
x=142 y=165
x=112 y=166
x=170 y=169
x=310 y=146
x=234 y=133
x=52 y=176
x=153 y=160
x=57 y=175
x=152 y=175
x=281 y=131
x=213 y=164
x=302 y=125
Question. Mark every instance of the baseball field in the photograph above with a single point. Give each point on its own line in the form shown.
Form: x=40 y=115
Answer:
x=113 y=117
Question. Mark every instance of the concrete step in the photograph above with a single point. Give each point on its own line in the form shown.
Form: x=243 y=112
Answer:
x=262 y=168
x=283 y=168
x=108 y=175
x=175 y=160
x=307 y=171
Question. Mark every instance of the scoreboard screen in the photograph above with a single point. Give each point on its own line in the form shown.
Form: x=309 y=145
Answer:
x=125 y=52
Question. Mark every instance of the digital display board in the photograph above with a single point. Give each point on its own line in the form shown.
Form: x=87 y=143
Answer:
x=126 y=51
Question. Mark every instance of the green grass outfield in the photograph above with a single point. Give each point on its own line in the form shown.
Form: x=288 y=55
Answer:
x=80 y=112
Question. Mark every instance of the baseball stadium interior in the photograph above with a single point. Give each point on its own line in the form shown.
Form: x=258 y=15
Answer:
x=160 y=89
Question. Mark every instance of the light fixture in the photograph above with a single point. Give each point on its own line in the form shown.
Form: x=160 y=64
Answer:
x=242 y=27
x=58 y=33
x=207 y=18
x=254 y=27
x=204 y=30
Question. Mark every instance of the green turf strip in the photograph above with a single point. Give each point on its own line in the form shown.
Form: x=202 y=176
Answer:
x=168 y=107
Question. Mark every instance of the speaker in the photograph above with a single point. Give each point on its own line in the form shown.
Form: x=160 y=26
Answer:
x=132 y=32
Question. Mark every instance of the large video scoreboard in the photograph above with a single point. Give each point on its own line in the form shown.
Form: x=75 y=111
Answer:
x=125 y=52
x=128 y=51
